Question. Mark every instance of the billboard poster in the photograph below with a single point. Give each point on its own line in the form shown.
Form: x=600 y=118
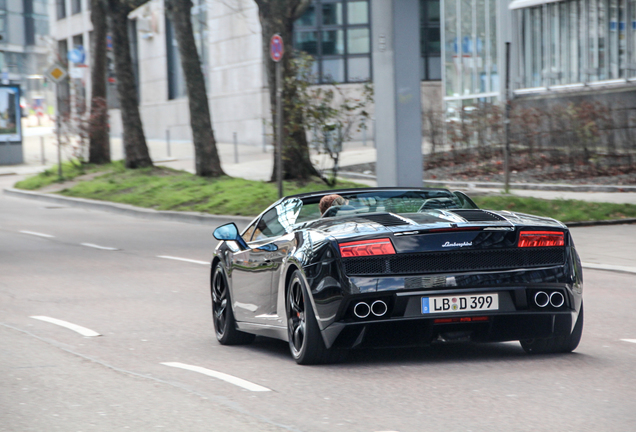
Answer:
x=10 y=127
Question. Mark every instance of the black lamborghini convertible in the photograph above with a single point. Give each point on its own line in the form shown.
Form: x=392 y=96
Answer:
x=396 y=267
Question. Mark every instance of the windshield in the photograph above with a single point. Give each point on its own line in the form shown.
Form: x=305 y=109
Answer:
x=398 y=201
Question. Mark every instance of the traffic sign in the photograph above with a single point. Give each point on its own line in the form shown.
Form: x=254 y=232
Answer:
x=77 y=55
x=276 y=48
x=56 y=73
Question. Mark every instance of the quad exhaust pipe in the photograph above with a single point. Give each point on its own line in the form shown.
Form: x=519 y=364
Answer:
x=541 y=299
x=363 y=310
x=379 y=308
x=555 y=299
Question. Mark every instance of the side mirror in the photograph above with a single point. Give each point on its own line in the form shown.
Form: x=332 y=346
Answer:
x=229 y=232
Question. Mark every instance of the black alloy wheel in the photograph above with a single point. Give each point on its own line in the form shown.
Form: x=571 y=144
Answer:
x=297 y=320
x=305 y=341
x=222 y=315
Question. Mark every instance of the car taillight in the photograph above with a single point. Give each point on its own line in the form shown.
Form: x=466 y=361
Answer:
x=367 y=248
x=540 y=238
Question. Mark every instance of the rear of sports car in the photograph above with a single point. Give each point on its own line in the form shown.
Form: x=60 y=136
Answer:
x=496 y=276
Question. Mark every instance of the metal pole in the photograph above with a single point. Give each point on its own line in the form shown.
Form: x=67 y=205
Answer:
x=57 y=130
x=168 y=142
x=507 y=123
x=42 y=156
x=364 y=135
x=236 y=160
x=279 y=129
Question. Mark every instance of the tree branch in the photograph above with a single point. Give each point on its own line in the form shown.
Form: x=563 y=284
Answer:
x=300 y=8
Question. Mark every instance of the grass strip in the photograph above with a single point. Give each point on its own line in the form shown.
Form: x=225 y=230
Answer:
x=69 y=172
x=162 y=188
x=560 y=209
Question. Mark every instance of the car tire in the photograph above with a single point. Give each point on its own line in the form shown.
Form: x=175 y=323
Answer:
x=556 y=344
x=305 y=341
x=222 y=315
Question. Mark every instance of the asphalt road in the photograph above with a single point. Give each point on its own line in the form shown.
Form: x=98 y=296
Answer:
x=151 y=310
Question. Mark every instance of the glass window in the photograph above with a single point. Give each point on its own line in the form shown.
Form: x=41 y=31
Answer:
x=333 y=70
x=492 y=45
x=480 y=48
x=176 y=81
x=308 y=19
x=61 y=8
x=337 y=35
x=602 y=40
x=622 y=39
x=359 y=69
x=430 y=39
x=574 y=57
x=268 y=226
x=537 y=45
x=76 y=6
x=358 y=12
x=247 y=234
x=332 y=42
x=358 y=41
x=452 y=63
x=306 y=41
x=632 y=33
x=592 y=45
x=467 y=47
x=613 y=39
x=332 y=14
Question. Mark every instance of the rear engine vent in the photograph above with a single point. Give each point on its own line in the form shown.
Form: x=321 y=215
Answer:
x=478 y=216
x=386 y=219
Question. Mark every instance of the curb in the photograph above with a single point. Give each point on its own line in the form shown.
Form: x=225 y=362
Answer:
x=607 y=267
x=129 y=210
x=498 y=185
x=626 y=221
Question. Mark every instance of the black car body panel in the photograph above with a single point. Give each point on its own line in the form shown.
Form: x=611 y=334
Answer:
x=439 y=252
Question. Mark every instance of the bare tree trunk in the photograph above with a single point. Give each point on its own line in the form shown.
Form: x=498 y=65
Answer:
x=99 y=139
x=277 y=17
x=135 y=148
x=207 y=159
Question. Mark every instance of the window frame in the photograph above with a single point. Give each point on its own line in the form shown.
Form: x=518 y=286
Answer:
x=320 y=28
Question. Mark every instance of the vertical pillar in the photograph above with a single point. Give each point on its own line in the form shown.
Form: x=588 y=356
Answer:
x=396 y=79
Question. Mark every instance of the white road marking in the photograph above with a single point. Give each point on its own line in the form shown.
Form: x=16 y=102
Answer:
x=220 y=375
x=183 y=259
x=79 y=329
x=91 y=245
x=629 y=340
x=37 y=234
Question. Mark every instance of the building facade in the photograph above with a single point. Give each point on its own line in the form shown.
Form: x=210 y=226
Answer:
x=228 y=35
x=24 y=32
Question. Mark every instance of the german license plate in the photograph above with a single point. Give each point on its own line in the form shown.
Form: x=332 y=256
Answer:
x=460 y=303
